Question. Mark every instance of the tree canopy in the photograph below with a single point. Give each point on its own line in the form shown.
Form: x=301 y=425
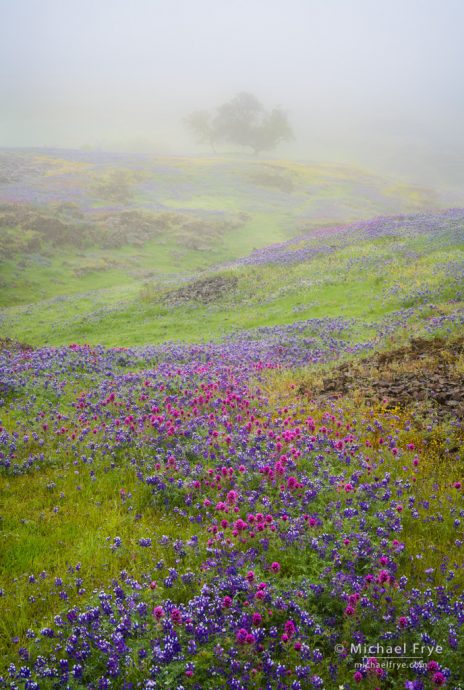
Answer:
x=242 y=121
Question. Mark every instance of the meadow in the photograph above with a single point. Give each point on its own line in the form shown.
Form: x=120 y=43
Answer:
x=214 y=472
x=90 y=243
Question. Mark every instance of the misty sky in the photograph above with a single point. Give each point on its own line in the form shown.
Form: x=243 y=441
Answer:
x=363 y=81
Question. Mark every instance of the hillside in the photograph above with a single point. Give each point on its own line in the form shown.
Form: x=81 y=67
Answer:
x=231 y=427
x=96 y=240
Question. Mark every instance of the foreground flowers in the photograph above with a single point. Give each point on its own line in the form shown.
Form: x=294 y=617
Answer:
x=298 y=530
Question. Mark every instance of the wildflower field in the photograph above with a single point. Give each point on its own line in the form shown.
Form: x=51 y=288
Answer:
x=217 y=467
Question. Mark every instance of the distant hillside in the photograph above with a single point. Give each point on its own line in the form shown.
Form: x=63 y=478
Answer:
x=94 y=244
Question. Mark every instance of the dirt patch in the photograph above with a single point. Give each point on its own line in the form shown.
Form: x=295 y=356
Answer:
x=426 y=374
x=14 y=345
x=204 y=290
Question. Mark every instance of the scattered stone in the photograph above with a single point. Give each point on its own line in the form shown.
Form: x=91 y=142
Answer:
x=422 y=374
x=204 y=290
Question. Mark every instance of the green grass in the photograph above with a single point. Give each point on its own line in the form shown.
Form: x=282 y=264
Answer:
x=358 y=281
x=68 y=511
x=61 y=293
x=61 y=517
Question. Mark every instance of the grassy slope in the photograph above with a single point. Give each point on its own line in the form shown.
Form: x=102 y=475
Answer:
x=59 y=294
x=44 y=510
x=356 y=281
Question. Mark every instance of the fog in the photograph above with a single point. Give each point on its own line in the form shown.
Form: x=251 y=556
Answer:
x=363 y=82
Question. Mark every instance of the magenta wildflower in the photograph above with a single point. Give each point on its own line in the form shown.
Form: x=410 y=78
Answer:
x=158 y=612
